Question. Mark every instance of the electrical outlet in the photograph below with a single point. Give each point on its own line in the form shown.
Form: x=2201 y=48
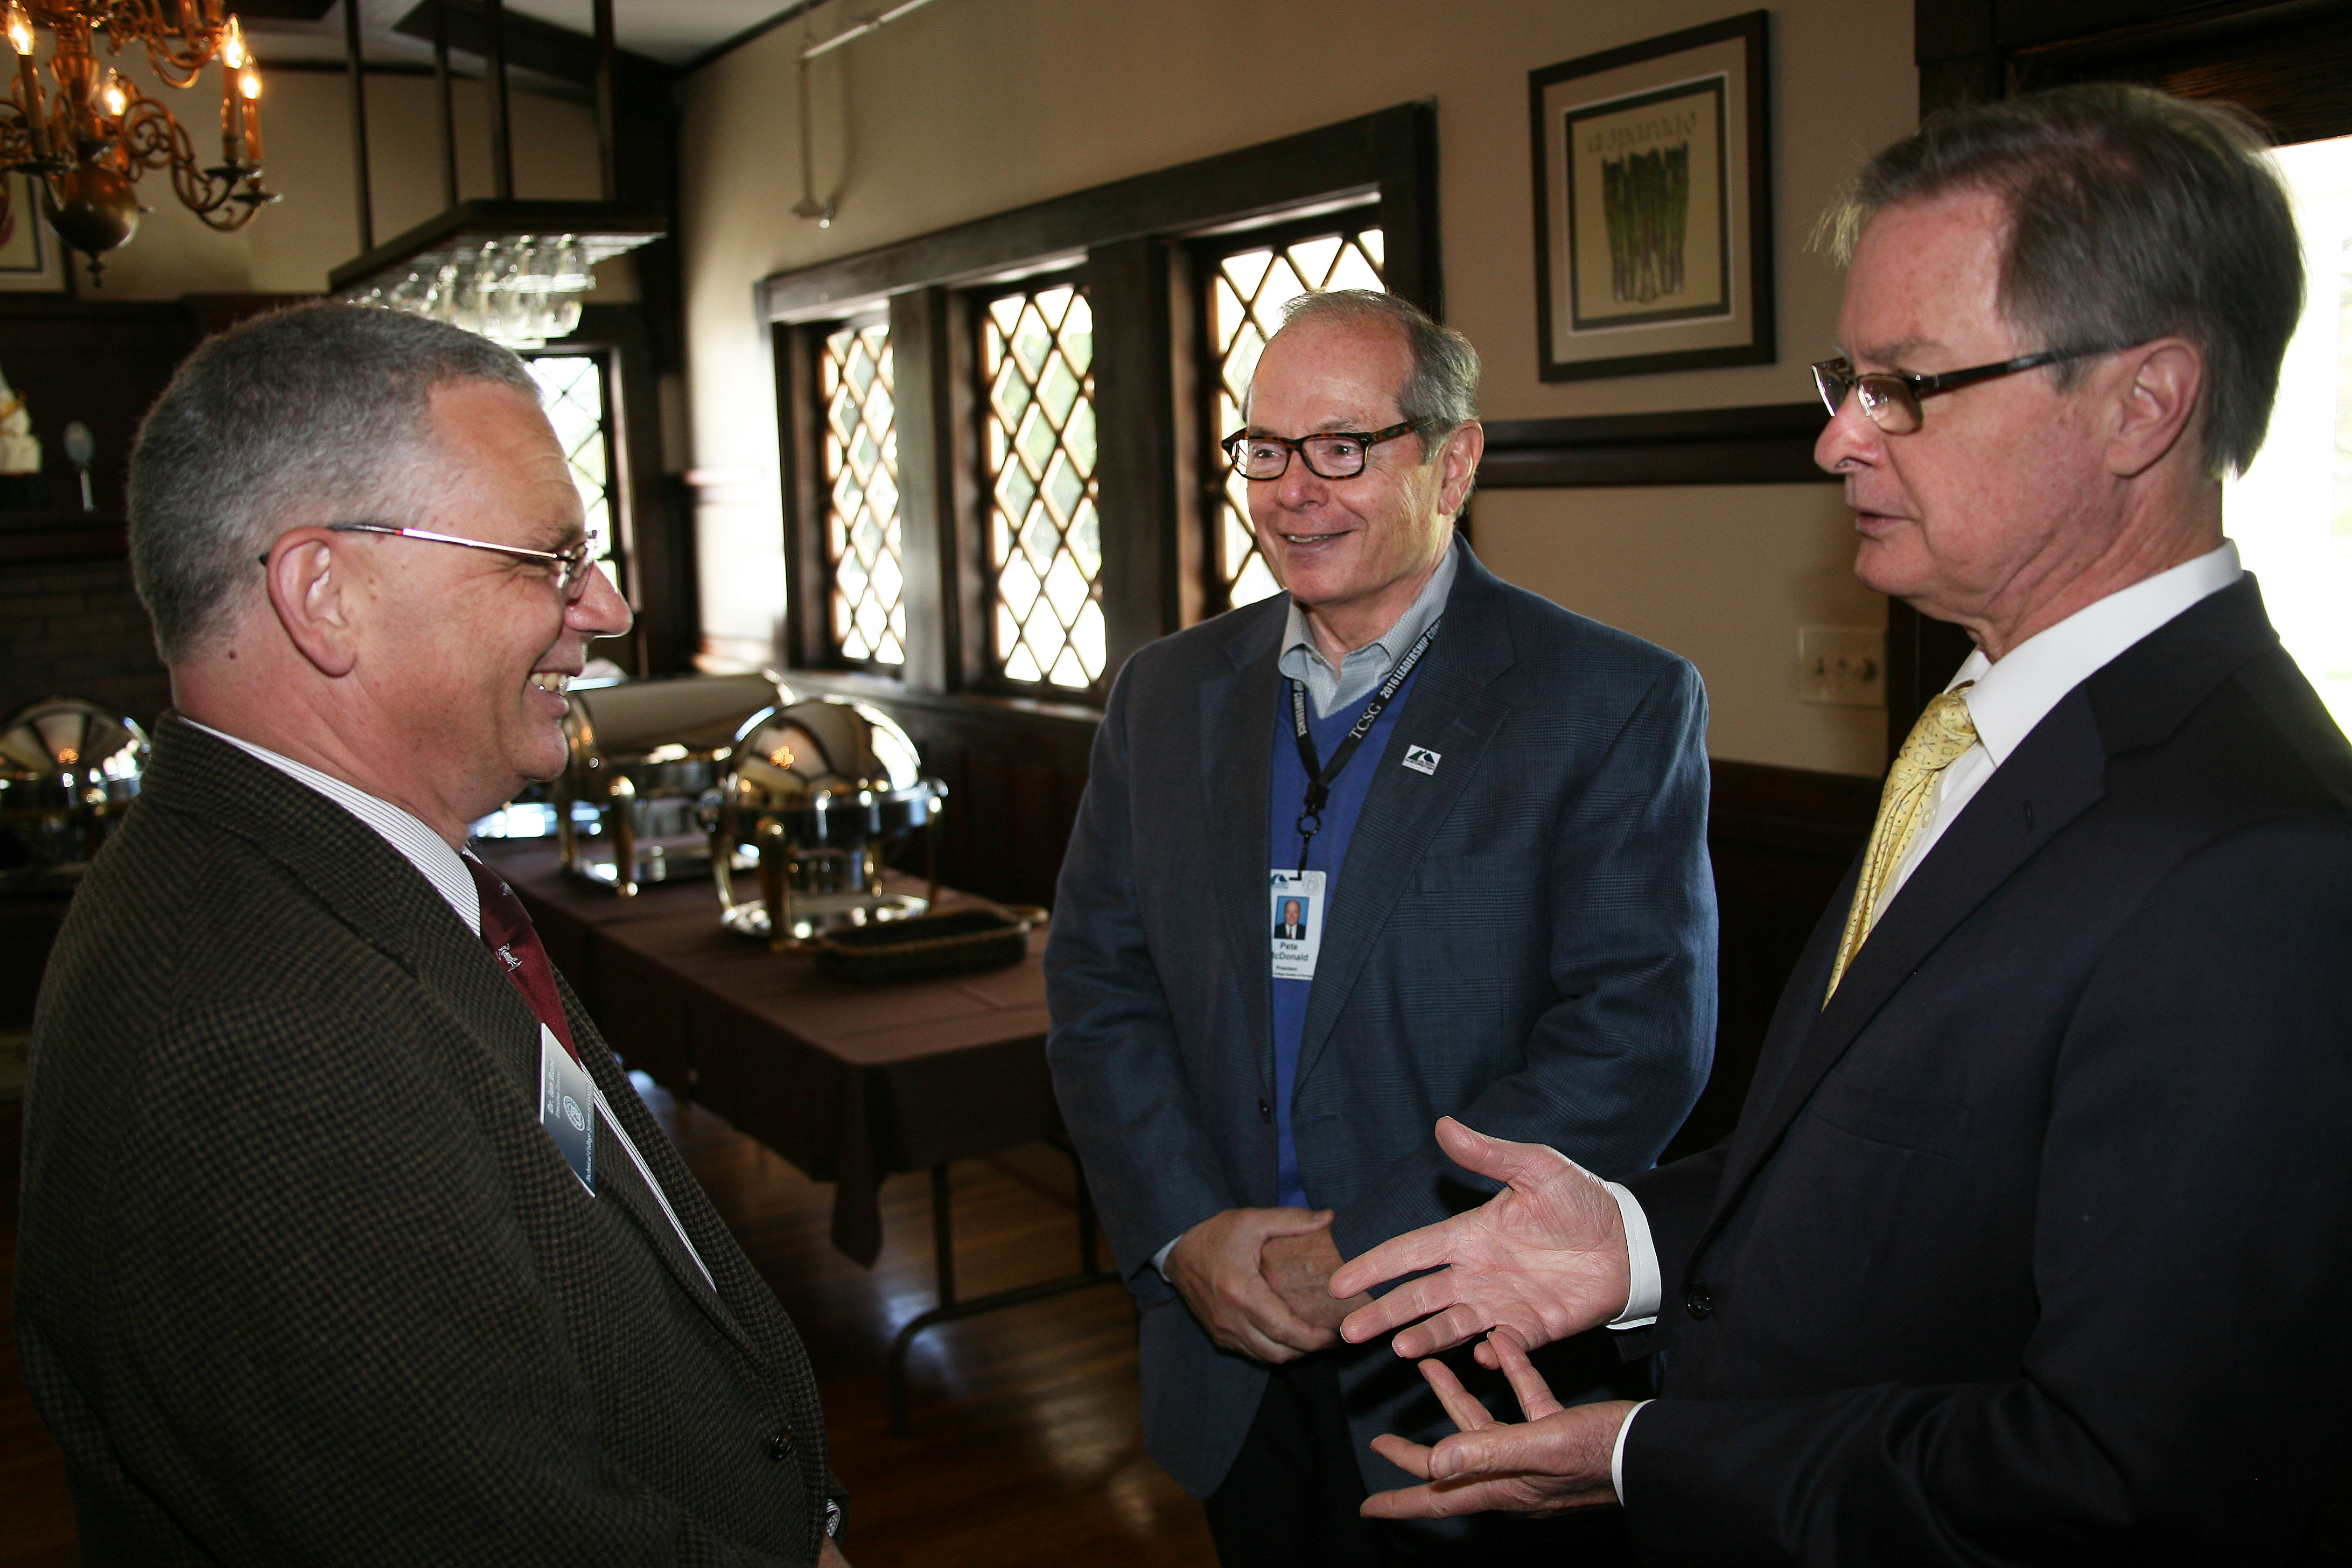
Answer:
x=1845 y=666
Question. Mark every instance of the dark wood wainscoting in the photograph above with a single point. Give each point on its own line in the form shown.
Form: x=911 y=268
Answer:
x=1781 y=839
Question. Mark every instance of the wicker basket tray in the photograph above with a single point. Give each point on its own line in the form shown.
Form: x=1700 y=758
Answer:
x=926 y=946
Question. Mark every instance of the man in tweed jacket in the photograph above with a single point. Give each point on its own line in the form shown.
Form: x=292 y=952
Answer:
x=301 y=1277
x=1516 y=916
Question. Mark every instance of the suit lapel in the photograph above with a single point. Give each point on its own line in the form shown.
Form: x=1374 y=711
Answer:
x=371 y=887
x=2056 y=773
x=1236 y=710
x=619 y=1180
x=1451 y=712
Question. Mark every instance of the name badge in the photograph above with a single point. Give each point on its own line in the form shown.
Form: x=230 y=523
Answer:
x=1295 y=908
x=567 y=1107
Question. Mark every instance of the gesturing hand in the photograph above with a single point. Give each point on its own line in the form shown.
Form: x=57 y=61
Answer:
x=1557 y=1460
x=1545 y=1257
x=1218 y=1268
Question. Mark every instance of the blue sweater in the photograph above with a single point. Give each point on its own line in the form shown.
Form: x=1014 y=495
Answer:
x=1327 y=853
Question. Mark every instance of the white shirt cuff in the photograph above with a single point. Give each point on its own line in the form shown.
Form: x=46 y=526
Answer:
x=1617 y=1456
x=1641 y=1262
x=1159 y=1259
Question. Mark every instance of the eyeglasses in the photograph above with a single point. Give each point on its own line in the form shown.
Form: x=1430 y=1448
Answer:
x=1329 y=453
x=1892 y=399
x=573 y=564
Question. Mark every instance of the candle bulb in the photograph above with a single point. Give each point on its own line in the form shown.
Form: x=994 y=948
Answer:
x=232 y=120
x=113 y=95
x=232 y=49
x=20 y=38
x=248 y=87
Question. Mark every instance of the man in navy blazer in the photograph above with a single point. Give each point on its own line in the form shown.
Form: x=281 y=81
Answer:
x=1513 y=915
x=2032 y=1241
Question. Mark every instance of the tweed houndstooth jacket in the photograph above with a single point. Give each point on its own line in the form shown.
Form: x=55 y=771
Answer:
x=301 y=1280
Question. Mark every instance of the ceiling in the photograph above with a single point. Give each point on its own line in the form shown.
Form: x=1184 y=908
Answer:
x=676 y=33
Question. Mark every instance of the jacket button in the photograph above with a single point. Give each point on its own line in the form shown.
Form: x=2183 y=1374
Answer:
x=1265 y=1111
x=779 y=1446
x=1698 y=1303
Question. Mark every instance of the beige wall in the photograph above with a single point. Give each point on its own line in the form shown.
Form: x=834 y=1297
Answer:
x=289 y=247
x=1721 y=573
x=971 y=107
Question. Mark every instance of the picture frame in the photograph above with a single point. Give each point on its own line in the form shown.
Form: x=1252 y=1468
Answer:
x=32 y=257
x=1653 y=205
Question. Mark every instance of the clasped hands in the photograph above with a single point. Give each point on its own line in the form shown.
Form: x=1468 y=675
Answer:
x=1258 y=1280
x=1540 y=1260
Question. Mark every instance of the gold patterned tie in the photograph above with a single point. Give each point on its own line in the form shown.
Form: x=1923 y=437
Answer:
x=1942 y=733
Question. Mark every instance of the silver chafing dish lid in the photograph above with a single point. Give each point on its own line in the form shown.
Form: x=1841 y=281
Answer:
x=49 y=740
x=666 y=720
x=825 y=751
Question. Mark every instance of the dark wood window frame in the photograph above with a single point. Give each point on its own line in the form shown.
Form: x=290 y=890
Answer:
x=1125 y=241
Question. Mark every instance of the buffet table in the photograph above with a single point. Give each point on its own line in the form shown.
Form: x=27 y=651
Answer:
x=850 y=1083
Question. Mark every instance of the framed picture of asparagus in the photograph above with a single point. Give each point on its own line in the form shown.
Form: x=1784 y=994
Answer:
x=1653 y=205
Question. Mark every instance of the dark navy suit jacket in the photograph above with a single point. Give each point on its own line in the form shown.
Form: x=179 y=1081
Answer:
x=1524 y=938
x=2033 y=1247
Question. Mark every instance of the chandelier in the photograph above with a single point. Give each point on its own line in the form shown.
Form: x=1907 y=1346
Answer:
x=90 y=136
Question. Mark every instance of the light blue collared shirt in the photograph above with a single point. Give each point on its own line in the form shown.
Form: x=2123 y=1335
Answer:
x=1329 y=689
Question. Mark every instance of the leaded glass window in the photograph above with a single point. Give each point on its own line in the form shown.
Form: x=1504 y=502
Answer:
x=573 y=391
x=861 y=477
x=1038 y=450
x=1247 y=289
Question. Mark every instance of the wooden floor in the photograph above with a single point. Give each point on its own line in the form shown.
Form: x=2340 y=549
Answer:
x=1024 y=1446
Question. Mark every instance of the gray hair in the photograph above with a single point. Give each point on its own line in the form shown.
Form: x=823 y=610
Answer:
x=1441 y=393
x=317 y=410
x=2132 y=214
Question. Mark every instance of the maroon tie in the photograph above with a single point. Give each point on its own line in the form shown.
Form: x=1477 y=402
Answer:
x=507 y=932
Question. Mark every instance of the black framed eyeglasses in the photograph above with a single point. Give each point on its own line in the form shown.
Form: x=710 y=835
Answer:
x=1329 y=453
x=1892 y=398
x=572 y=564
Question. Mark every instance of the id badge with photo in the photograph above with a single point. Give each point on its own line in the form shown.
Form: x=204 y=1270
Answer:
x=1295 y=914
x=567 y=1107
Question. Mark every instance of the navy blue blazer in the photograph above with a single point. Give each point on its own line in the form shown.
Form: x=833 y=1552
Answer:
x=2033 y=1245
x=1524 y=938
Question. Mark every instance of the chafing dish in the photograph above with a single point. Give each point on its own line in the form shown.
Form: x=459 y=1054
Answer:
x=69 y=770
x=819 y=792
x=647 y=758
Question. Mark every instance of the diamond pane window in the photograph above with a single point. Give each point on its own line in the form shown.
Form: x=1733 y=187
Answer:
x=572 y=391
x=861 y=510
x=1038 y=447
x=1246 y=295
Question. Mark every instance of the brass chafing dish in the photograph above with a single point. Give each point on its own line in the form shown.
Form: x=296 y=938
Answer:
x=69 y=770
x=647 y=757
x=818 y=794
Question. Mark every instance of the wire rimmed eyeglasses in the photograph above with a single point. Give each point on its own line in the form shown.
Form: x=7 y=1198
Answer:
x=1328 y=454
x=1892 y=398
x=572 y=564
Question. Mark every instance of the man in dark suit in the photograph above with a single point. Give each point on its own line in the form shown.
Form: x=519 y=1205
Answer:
x=1290 y=928
x=1517 y=920
x=344 y=1239
x=2032 y=1241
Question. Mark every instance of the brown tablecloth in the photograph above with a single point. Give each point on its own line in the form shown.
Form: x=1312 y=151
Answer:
x=851 y=1083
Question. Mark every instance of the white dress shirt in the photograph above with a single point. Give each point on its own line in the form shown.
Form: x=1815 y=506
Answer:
x=418 y=845
x=2006 y=699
